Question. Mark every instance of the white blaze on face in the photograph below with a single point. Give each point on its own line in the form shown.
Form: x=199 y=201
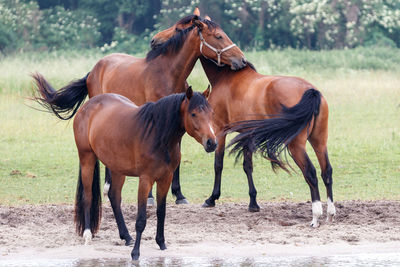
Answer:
x=211 y=129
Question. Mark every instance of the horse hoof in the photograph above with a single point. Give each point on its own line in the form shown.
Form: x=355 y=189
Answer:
x=129 y=242
x=163 y=246
x=254 y=209
x=150 y=202
x=208 y=205
x=330 y=218
x=135 y=256
x=314 y=224
x=181 y=201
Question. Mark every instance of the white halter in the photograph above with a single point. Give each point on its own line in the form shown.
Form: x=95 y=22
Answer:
x=217 y=51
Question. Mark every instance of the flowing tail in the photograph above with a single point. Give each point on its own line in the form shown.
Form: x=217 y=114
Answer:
x=65 y=102
x=271 y=136
x=95 y=208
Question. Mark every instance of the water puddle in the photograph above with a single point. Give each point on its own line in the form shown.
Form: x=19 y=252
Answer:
x=362 y=260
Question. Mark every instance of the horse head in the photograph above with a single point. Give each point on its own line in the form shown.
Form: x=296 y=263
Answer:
x=213 y=42
x=197 y=116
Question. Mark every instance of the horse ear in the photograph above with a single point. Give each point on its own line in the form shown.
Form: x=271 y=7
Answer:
x=207 y=17
x=196 y=11
x=206 y=93
x=189 y=92
x=196 y=21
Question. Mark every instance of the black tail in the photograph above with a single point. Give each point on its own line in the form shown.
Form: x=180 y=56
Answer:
x=95 y=208
x=271 y=136
x=63 y=103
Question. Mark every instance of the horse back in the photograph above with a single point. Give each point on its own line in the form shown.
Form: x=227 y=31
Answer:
x=120 y=74
x=251 y=96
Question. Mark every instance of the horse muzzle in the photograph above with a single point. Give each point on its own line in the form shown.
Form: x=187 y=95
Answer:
x=210 y=145
x=238 y=63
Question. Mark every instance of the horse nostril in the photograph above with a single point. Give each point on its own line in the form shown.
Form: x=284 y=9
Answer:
x=244 y=61
x=211 y=145
x=152 y=41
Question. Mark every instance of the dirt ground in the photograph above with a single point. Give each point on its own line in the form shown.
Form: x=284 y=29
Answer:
x=47 y=231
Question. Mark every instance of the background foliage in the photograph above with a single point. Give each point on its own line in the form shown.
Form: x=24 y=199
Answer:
x=127 y=25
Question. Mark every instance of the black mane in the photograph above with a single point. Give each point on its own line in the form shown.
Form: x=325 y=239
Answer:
x=251 y=65
x=162 y=120
x=178 y=39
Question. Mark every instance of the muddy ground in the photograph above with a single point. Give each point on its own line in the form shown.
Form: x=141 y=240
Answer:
x=47 y=231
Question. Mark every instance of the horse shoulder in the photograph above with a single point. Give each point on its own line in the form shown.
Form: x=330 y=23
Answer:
x=220 y=99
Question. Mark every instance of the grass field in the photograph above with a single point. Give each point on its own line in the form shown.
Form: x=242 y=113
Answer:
x=39 y=163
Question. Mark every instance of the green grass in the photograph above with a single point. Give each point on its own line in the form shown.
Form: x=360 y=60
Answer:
x=362 y=88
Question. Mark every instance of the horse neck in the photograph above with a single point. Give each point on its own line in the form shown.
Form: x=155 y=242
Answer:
x=180 y=64
x=224 y=74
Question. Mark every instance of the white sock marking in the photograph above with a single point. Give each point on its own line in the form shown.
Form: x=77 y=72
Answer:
x=106 y=188
x=87 y=236
x=331 y=207
x=331 y=210
x=317 y=212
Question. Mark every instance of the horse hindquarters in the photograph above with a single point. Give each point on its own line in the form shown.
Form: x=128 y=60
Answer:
x=88 y=198
x=289 y=129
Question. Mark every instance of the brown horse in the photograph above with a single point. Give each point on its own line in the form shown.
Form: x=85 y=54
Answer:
x=161 y=73
x=135 y=141
x=248 y=95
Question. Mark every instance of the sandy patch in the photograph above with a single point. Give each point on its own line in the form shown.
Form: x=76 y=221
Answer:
x=47 y=231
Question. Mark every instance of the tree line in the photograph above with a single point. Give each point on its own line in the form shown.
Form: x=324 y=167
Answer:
x=127 y=25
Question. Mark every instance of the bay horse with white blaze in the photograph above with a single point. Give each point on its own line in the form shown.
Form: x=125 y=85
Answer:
x=291 y=112
x=163 y=72
x=136 y=141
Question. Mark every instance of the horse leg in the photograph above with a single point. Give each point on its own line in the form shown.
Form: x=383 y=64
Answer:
x=150 y=198
x=115 y=199
x=326 y=173
x=176 y=188
x=145 y=184
x=162 y=191
x=107 y=182
x=218 y=166
x=299 y=154
x=248 y=169
x=84 y=196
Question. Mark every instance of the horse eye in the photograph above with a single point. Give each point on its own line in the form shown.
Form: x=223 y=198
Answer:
x=193 y=115
x=218 y=36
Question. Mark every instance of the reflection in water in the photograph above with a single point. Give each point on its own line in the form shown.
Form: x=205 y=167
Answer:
x=364 y=260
